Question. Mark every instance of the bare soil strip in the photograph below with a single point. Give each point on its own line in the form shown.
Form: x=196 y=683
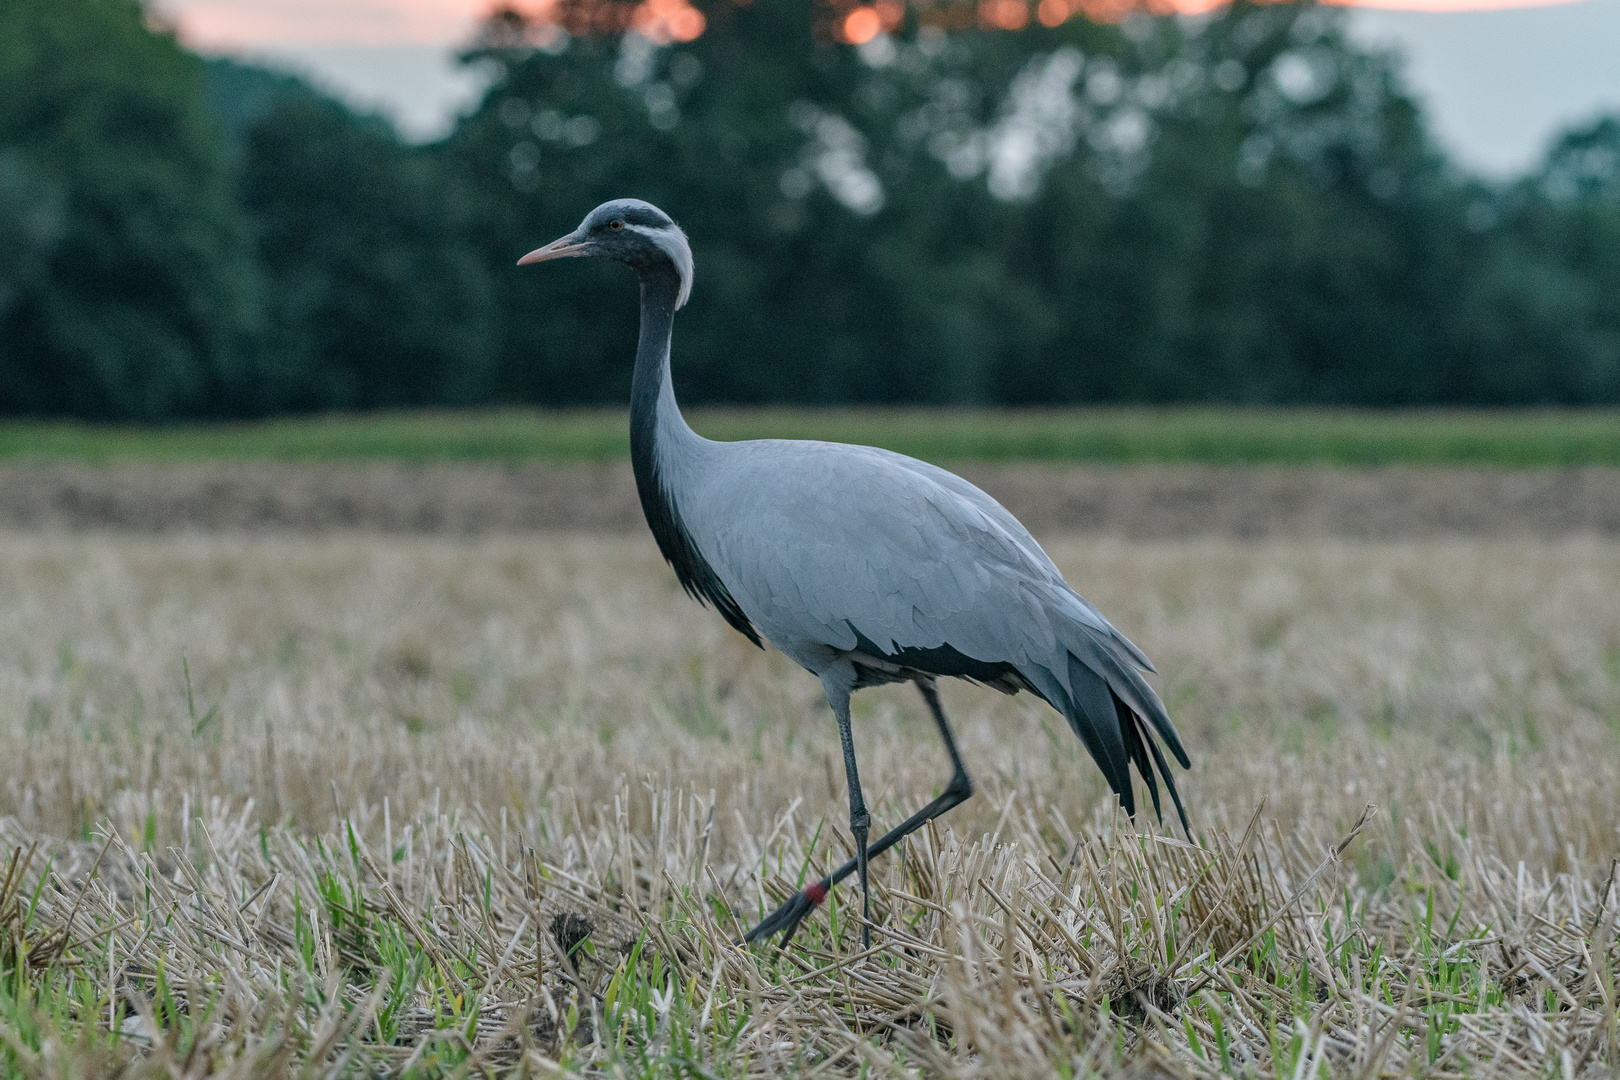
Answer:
x=1139 y=502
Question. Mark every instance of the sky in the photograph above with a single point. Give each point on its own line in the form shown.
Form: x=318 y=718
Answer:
x=1498 y=77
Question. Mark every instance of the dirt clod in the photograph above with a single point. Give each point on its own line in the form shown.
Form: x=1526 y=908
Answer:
x=1133 y=985
x=569 y=930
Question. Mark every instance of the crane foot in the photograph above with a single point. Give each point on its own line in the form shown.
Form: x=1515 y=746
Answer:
x=786 y=919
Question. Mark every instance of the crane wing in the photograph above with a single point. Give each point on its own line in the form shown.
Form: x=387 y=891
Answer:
x=833 y=549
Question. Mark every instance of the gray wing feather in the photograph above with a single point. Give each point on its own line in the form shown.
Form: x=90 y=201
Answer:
x=1087 y=613
x=823 y=544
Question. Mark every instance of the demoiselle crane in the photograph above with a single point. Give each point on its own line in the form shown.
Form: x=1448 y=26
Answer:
x=865 y=567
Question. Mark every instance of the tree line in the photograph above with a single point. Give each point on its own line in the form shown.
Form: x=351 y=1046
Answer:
x=973 y=205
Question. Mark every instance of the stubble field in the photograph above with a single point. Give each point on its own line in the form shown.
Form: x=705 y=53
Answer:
x=353 y=804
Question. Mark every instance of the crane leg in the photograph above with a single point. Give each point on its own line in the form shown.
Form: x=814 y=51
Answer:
x=787 y=917
x=860 y=822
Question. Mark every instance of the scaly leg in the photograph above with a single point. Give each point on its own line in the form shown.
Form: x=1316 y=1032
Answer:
x=787 y=917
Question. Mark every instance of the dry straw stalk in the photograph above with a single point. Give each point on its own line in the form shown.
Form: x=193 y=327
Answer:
x=354 y=806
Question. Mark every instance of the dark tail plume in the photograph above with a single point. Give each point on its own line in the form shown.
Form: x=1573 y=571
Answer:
x=1115 y=733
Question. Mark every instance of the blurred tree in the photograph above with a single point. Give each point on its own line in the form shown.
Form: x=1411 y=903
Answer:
x=30 y=226
x=239 y=94
x=1275 y=223
x=960 y=202
x=1244 y=208
x=1548 y=300
x=373 y=294
x=840 y=258
x=125 y=283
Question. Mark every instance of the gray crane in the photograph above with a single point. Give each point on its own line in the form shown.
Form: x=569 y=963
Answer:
x=865 y=567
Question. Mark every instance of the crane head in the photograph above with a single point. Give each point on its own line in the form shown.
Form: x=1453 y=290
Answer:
x=633 y=232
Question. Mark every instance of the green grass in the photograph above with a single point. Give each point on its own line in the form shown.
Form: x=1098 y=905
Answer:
x=1121 y=436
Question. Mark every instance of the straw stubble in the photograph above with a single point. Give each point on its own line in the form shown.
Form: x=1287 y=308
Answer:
x=427 y=804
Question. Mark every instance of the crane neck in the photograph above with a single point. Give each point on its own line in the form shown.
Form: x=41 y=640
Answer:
x=657 y=428
x=668 y=456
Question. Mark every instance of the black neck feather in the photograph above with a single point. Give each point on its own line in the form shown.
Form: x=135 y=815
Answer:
x=660 y=285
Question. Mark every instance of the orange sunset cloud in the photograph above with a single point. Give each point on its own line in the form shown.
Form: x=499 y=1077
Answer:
x=269 y=23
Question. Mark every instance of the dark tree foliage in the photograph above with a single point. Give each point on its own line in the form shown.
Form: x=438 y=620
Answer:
x=374 y=297
x=1240 y=208
x=1243 y=209
x=125 y=282
x=839 y=260
x=1551 y=287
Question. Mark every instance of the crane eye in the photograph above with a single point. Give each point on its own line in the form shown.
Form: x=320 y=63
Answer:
x=615 y=224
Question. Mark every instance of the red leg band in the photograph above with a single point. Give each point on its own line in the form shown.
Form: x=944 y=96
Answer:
x=816 y=892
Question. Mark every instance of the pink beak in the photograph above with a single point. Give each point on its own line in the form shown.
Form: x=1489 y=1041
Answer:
x=562 y=248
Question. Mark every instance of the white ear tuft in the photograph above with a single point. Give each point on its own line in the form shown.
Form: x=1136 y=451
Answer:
x=673 y=242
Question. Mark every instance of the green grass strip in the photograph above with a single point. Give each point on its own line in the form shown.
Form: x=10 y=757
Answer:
x=1118 y=436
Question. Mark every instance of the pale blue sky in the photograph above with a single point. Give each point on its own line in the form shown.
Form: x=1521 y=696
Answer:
x=1498 y=84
